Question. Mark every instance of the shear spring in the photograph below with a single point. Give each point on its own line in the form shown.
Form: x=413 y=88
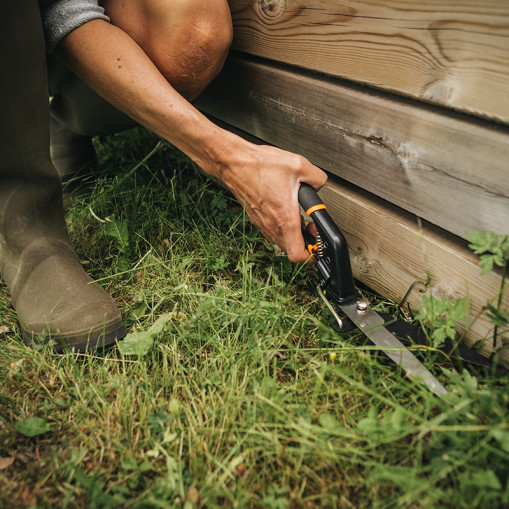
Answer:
x=319 y=245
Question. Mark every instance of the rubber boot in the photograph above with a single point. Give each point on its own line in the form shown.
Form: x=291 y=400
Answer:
x=75 y=159
x=78 y=114
x=53 y=296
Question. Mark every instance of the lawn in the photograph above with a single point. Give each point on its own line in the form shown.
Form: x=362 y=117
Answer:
x=233 y=390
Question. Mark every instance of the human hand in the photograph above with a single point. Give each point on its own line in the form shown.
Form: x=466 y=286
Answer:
x=267 y=180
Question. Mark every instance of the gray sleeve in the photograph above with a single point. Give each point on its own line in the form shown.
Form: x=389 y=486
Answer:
x=63 y=16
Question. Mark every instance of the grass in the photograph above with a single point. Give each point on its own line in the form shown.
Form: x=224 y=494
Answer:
x=238 y=402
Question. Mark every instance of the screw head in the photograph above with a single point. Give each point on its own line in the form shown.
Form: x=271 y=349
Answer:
x=362 y=306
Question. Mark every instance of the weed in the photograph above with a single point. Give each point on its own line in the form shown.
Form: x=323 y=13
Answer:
x=441 y=316
x=494 y=251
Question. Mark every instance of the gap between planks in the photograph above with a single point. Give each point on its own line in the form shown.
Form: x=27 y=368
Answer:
x=450 y=169
x=450 y=53
x=391 y=250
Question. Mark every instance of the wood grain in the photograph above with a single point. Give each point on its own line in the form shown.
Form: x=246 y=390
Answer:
x=398 y=255
x=448 y=168
x=452 y=53
x=391 y=250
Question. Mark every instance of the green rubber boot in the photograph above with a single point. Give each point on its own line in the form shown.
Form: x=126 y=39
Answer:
x=78 y=114
x=74 y=157
x=52 y=295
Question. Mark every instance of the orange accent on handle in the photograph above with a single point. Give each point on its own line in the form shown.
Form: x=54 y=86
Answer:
x=312 y=248
x=314 y=208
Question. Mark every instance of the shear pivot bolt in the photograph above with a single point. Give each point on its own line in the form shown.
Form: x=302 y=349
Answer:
x=362 y=306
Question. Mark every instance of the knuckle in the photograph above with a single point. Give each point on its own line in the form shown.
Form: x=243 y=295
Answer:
x=295 y=257
x=300 y=162
x=292 y=256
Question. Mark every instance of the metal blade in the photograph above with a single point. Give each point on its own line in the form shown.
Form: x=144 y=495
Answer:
x=372 y=324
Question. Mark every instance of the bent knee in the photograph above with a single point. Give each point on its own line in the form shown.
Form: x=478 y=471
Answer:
x=187 y=40
x=196 y=60
x=192 y=56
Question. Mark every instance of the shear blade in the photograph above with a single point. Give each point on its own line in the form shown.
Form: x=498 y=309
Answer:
x=372 y=325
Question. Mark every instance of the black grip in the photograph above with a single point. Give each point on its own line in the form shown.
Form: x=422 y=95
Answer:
x=334 y=259
x=308 y=197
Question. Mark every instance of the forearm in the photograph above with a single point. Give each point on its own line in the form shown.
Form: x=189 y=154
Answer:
x=121 y=72
x=265 y=179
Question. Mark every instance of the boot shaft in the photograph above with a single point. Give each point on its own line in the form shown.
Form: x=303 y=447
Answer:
x=30 y=187
x=51 y=293
x=24 y=108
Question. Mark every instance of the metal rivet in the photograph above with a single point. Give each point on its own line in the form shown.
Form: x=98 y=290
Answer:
x=362 y=306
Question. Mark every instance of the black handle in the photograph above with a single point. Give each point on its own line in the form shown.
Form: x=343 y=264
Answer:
x=334 y=261
x=308 y=197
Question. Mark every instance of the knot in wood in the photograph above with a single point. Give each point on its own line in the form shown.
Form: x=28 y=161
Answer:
x=271 y=9
x=362 y=260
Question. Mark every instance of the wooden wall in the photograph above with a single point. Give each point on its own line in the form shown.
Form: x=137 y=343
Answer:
x=449 y=169
x=452 y=53
x=408 y=177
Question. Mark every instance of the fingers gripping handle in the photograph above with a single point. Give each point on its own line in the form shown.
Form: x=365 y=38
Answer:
x=310 y=202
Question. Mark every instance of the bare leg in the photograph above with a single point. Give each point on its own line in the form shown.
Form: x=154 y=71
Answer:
x=187 y=41
x=264 y=178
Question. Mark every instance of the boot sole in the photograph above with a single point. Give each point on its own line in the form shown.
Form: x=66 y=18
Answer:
x=102 y=341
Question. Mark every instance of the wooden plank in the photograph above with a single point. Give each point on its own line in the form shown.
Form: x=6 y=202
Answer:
x=396 y=254
x=452 y=53
x=448 y=168
x=390 y=251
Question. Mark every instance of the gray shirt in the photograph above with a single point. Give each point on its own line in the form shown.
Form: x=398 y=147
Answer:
x=61 y=17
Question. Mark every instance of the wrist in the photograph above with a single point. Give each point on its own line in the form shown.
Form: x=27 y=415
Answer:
x=217 y=149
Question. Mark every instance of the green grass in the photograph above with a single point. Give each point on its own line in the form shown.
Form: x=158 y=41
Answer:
x=237 y=403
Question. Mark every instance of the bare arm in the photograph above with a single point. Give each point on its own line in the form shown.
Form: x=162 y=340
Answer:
x=265 y=178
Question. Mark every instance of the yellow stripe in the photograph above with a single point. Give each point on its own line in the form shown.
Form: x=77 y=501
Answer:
x=314 y=208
